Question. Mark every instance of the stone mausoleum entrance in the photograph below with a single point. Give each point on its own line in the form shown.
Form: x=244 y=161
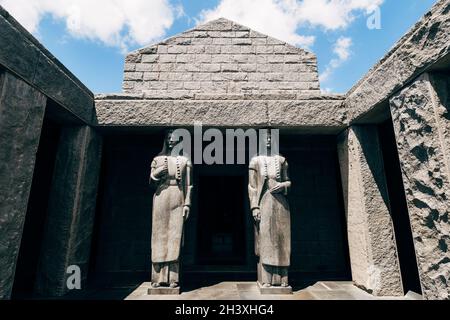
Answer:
x=219 y=239
x=389 y=136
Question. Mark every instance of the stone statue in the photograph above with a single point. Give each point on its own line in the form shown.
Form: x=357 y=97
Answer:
x=172 y=176
x=268 y=188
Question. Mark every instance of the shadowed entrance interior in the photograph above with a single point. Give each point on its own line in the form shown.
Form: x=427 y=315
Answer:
x=221 y=215
x=219 y=234
x=33 y=230
x=219 y=240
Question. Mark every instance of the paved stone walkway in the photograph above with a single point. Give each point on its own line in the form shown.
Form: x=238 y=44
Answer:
x=249 y=291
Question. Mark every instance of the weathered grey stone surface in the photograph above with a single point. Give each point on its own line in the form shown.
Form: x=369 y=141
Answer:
x=325 y=114
x=164 y=291
x=219 y=114
x=268 y=187
x=319 y=115
x=21 y=115
x=221 y=57
x=23 y=55
x=173 y=95
x=71 y=211
x=424 y=45
x=326 y=290
x=274 y=290
x=173 y=181
x=421 y=119
x=413 y=296
x=373 y=251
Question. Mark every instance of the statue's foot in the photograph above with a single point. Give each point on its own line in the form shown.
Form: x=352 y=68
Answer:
x=285 y=284
x=266 y=285
x=174 y=285
x=155 y=285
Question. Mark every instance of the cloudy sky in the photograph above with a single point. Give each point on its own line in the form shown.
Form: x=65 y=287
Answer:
x=91 y=37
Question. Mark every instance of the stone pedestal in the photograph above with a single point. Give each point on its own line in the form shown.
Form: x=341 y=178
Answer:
x=372 y=246
x=274 y=290
x=163 y=291
x=21 y=115
x=420 y=114
x=71 y=210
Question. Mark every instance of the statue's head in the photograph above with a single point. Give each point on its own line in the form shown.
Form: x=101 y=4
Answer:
x=269 y=142
x=171 y=139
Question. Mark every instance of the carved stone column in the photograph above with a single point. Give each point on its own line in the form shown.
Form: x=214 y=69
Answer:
x=373 y=250
x=71 y=211
x=421 y=117
x=21 y=115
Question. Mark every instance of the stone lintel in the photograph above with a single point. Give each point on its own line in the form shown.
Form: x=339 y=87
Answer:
x=373 y=250
x=328 y=116
x=71 y=210
x=22 y=111
x=420 y=114
x=175 y=95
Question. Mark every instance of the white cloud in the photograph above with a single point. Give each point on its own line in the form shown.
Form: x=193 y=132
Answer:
x=283 y=18
x=114 y=22
x=342 y=51
x=333 y=14
x=275 y=18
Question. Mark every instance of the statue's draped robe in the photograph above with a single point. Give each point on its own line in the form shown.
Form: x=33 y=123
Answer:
x=273 y=232
x=173 y=192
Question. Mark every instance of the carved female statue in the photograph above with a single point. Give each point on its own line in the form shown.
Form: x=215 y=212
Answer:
x=171 y=206
x=268 y=188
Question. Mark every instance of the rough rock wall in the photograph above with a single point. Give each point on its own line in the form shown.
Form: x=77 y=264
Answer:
x=221 y=57
x=421 y=119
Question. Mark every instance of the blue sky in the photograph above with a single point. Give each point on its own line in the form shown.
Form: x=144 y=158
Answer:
x=92 y=42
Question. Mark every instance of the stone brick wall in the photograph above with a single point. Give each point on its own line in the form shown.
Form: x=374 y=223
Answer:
x=221 y=57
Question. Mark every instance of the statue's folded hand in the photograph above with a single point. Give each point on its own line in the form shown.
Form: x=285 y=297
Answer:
x=277 y=188
x=161 y=172
x=256 y=214
x=186 y=211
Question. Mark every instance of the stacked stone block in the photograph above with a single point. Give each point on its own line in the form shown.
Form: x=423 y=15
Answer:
x=221 y=57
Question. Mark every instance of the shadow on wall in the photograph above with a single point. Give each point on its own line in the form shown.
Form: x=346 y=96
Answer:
x=399 y=209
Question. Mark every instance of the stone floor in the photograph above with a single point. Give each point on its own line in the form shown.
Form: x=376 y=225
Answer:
x=249 y=291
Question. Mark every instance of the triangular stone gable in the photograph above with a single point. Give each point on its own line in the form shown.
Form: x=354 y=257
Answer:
x=221 y=57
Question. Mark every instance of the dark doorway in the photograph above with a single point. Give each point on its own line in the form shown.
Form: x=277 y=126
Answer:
x=399 y=210
x=221 y=223
x=37 y=211
x=219 y=235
